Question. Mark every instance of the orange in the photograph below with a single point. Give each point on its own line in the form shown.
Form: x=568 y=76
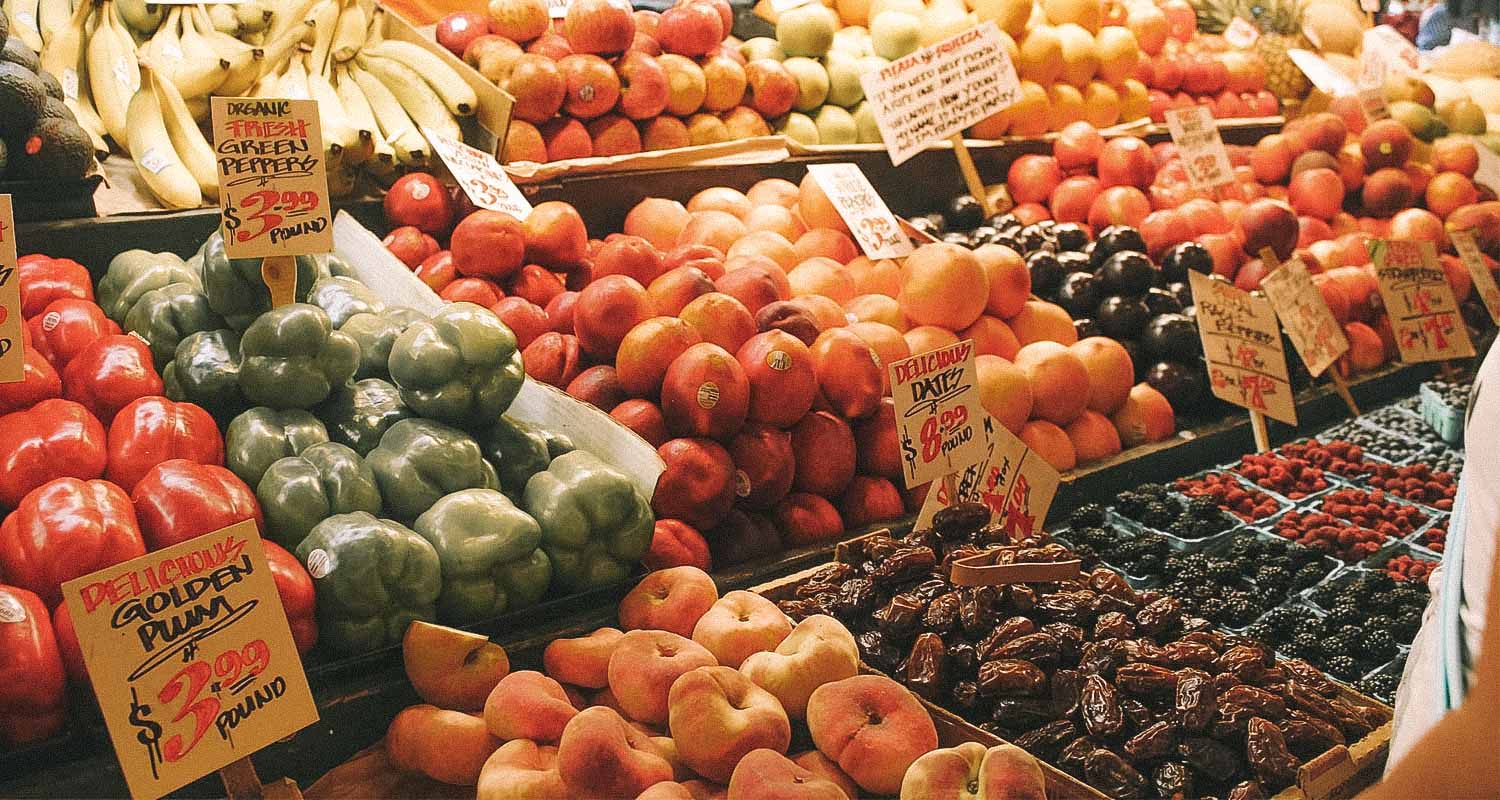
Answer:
x=943 y=285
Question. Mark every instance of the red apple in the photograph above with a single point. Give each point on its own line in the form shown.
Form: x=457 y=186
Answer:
x=418 y=199
x=1126 y=161
x=599 y=26
x=592 y=85
x=772 y=89
x=643 y=85
x=538 y=87
x=690 y=29
x=410 y=245
x=457 y=30
x=614 y=135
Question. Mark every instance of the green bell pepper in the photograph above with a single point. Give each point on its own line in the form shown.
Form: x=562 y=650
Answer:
x=298 y=492
x=206 y=370
x=235 y=288
x=342 y=298
x=490 y=552
x=461 y=367
x=518 y=450
x=261 y=436
x=331 y=264
x=359 y=413
x=168 y=315
x=595 y=524
x=419 y=460
x=373 y=578
x=135 y=272
x=293 y=358
x=376 y=334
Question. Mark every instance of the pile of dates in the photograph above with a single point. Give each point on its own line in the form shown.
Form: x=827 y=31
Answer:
x=1117 y=687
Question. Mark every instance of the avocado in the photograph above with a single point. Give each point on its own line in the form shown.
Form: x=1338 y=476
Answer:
x=22 y=96
x=55 y=149
x=49 y=83
x=52 y=108
x=16 y=52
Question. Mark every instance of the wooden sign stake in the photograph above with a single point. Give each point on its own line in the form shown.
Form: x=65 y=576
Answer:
x=242 y=783
x=1258 y=426
x=970 y=173
x=280 y=275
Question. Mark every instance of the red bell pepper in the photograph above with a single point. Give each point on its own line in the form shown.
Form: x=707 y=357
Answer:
x=298 y=598
x=178 y=500
x=46 y=279
x=67 y=644
x=66 y=326
x=64 y=530
x=32 y=702
x=154 y=429
x=110 y=372
x=53 y=439
x=39 y=381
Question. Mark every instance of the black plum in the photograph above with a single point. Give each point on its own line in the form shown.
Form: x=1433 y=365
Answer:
x=1171 y=337
x=1070 y=236
x=1122 y=316
x=1046 y=273
x=1185 y=256
x=964 y=212
x=1115 y=239
x=1080 y=294
x=1161 y=301
x=1086 y=327
x=1127 y=272
x=1180 y=384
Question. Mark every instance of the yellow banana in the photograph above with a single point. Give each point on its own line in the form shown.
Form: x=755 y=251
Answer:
x=325 y=18
x=202 y=68
x=139 y=15
x=396 y=126
x=244 y=60
x=252 y=16
x=375 y=34
x=23 y=23
x=155 y=159
x=382 y=157
x=293 y=17
x=293 y=81
x=221 y=16
x=339 y=136
x=349 y=34
x=279 y=49
x=51 y=17
x=62 y=55
x=454 y=91
x=114 y=75
x=419 y=100
x=186 y=137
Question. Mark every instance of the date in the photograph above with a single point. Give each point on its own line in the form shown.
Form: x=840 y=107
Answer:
x=1047 y=741
x=1100 y=704
x=1262 y=702
x=925 y=666
x=1308 y=737
x=1173 y=780
x=1004 y=633
x=906 y=563
x=960 y=521
x=1210 y=758
x=1038 y=648
x=1011 y=677
x=1196 y=700
x=1158 y=617
x=1248 y=790
x=1145 y=679
x=900 y=617
x=1066 y=688
x=1071 y=607
x=1069 y=639
x=857 y=596
x=1110 y=774
x=1113 y=625
x=1022 y=713
x=1265 y=749
x=1154 y=742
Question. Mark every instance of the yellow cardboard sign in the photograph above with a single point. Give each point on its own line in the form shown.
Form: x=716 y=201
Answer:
x=1017 y=484
x=273 y=179
x=1242 y=342
x=938 y=414
x=1196 y=134
x=1424 y=314
x=1479 y=272
x=1314 y=331
x=12 y=354
x=191 y=658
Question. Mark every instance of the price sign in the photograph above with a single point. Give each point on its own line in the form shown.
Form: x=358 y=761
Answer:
x=938 y=415
x=1322 y=74
x=1016 y=484
x=12 y=356
x=1311 y=326
x=873 y=225
x=273 y=182
x=1242 y=343
x=1424 y=314
x=940 y=90
x=480 y=175
x=1394 y=52
x=1484 y=280
x=191 y=658
x=1241 y=34
x=1196 y=135
x=1488 y=173
x=557 y=9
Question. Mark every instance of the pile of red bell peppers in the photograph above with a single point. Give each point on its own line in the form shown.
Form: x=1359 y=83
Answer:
x=96 y=468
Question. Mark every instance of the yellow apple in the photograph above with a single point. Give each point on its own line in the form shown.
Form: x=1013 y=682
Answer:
x=451 y=668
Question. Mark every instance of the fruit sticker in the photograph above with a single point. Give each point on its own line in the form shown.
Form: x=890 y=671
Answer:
x=12 y=358
x=1017 y=484
x=1484 y=280
x=1423 y=312
x=480 y=176
x=868 y=218
x=190 y=656
x=938 y=414
x=1242 y=342
x=273 y=196
x=1196 y=135
x=1309 y=323
x=941 y=89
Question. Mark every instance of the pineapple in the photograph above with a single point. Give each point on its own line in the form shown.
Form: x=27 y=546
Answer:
x=1280 y=26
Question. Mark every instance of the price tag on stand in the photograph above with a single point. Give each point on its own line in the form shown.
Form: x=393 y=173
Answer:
x=1242 y=343
x=273 y=179
x=12 y=354
x=557 y=9
x=1395 y=52
x=938 y=414
x=1322 y=74
x=860 y=206
x=1017 y=484
x=1309 y=323
x=1420 y=303
x=1479 y=271
x=1196 y=135
x=190 y=656
x=480 y=176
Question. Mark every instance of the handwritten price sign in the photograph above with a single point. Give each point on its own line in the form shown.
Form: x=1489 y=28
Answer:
x=938 y=415
x=190 y=656
x=1309 y=323
x=868 y=217
x=1016 y=484
x=12 y=358
x=1479 y=271
x=480 y=176
x=1196 y=135
x=1424 y=314
x=1242 y=342
x=273 y=182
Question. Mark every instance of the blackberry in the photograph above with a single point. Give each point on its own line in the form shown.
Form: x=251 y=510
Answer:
x=1157 y=514
x=1212 y=608
x=1345 y=615
x=1204 y=591
x=1408 y=622
x=1378 y=622
x=1382 y=687
x=1302 y=554
x=1342 y=667
x=1203 y=508
x=1307 y=575
x=1270 y=576
x=1183 y=528
x=1173 y=564
x=1311 y=626
x=1088 y=515
x=1244 y=546
x=1155 y=491
x=1282 y=620
x=1204 y=528
x=1379 y=645
x=1149 y=564
x=1278 y=561
x=1325 y=595
x=1222 y=572
x=1240 y=611
x=1409 y=596
x=1131 y=504
x=1263 y=633
x=1086 y=555
x=1304 y=645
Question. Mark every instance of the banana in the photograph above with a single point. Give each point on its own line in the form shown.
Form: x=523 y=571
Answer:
x=280 y=48
x=23 y=22
x=88 y=119
x=252 y=16
x=286 y=19
x=114 y=75
x=202 y=68
x=349 y=34
x=293 y=82
x=155 y=159
x=375 y=34
x=62 y=55
x=222 y=17
x=164 y=48
x=325 y=18
x=340 y=137
x=51 y=17
x=186 y=137
x=139 y=15
x=408 y=144
x=455 y=92
x=244 y=60
x=419 y=100
x=382 y=158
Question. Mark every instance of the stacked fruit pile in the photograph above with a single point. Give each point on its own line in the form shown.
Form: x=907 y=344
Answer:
x=39 y=137
x=698 y=692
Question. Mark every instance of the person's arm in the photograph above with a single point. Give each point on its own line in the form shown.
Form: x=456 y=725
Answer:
x=1457 y=758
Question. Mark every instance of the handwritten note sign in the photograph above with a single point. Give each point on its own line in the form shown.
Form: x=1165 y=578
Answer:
x=1242 y=343
x=1488 y=173
x=1322 y=74
x=1394 y=52
x=1479 y=271
x=480 y=176
x=940 y=90
x=1016 y=484
x=1309 y=323
x=191 y=658
x=273 y=182
x=1196 y=135
x=873 y=225
x=938 y=415
x=12 y=356
x=1424 y=314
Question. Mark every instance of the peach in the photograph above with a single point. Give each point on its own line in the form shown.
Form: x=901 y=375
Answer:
x=992 y=336
x=1051 y=443
x=755 y=281
x=647 y=351
x=607 y=310
x=601 y=755
x=739 y=625
x=770 y=244
x=1093 y=436
x=1455 y=155
x=806 y=518
x=775 y=219
x=849 y=372
x=924 y=338
x=674 y=289
x=669 y=600
x=827 y=243
x=970 y=770
x=522 y=770
x=643 y=668
x=1009 y=280
x=1366 y=350
x=697 y=485
x=451 y=668
x=1059 y=381
x=705 y=393
x=877 y=308
x=783 y=381
x=825 y=310
x=1419 y=224
x=763 y=456
x=717 y=229
x=528 y=705
x=599 y=386
x=721 y=198
x=1039 y=321
x=1447 y=191
x=718 y=716
x=560 y=312
x=818 y=650
x=823 y=767
x=773 y=191
x=1004 y=391
x=872 y=727
x=583 y=661
x=876 y=444
x=719 y=319
x=657 y=220
x=552 y=358
x=628 y=255
x=662 y=133
x=446 y=746
x=675 y=543
x=768 y=775
x=743 y=537
x=826 y=445
x=875 y=277
x=1385 y=143
x=666 y=790
x=815 y=207
x=868 y=500
x=555 y=236
x=944 y=285
x=524 y=318
x=535 y=284
x=824 y=276
x=1110 y=372
x=793 y=318
x=1316 y=192
x=1146 y=416
x=889 y=346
